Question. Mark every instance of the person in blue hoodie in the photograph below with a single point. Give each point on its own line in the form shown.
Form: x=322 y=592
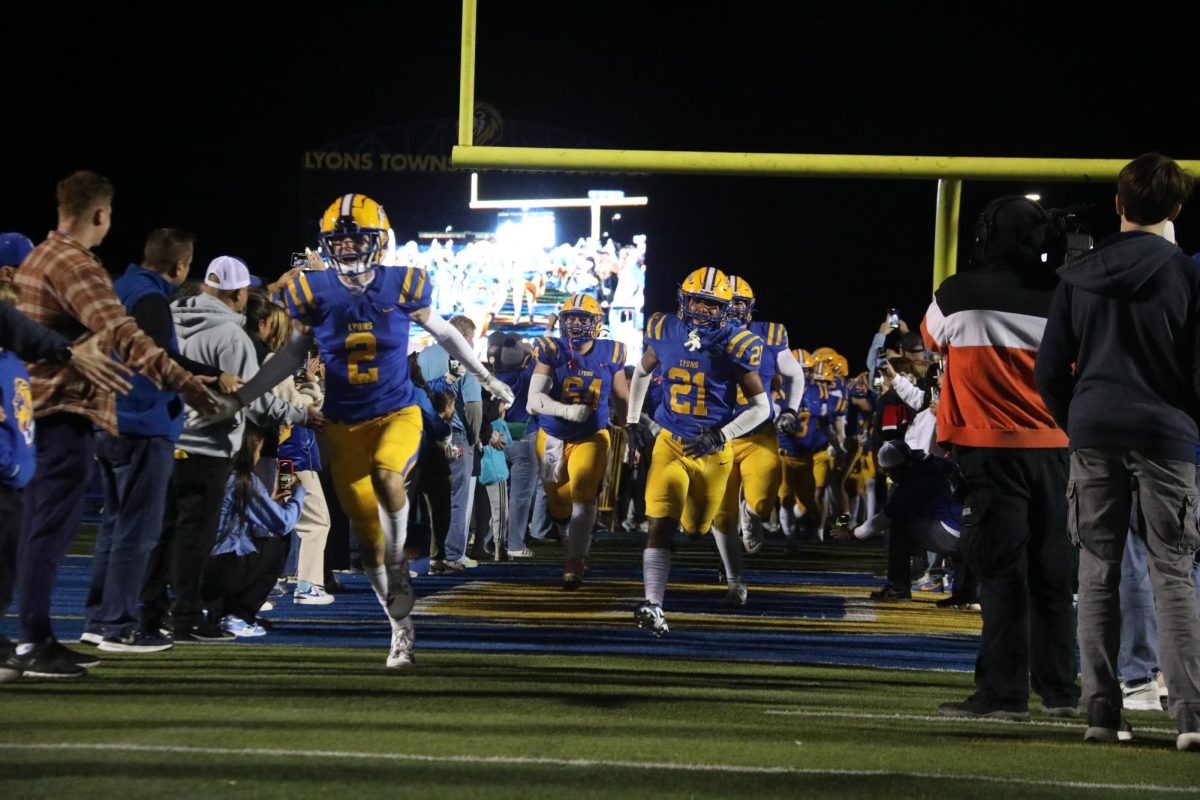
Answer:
x=135 y=466
x=252 y=542
x=1119 y=368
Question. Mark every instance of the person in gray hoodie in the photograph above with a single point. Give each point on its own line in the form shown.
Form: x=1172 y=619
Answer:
x=1119 y=369
x=209 y=327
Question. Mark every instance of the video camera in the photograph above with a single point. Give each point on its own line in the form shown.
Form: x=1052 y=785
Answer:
x=1067 y=238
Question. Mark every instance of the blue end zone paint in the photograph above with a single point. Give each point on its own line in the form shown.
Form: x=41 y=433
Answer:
x=355 y=620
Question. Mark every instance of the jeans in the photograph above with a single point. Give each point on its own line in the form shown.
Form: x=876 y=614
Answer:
x=53 y=512
x=1099 y=503
x=134 y=472
x=462 y=496
x=522 y=481
x=540 y=525
x=1137 y=659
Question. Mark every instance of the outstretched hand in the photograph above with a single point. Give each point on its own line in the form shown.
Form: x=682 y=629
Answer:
x=98 y=366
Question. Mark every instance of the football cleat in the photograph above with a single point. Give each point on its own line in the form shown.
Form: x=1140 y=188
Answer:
x=400 y=594
x=650 y=617
x=355 y=234
x=573 y=572
x=400 y=654
x=741 y=309
x=704 y=298
x=581 y=320
x=735 y=596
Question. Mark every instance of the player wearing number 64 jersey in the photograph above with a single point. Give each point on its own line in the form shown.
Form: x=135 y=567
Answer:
x=569 y=392
x=359 y=314
x=704 y=358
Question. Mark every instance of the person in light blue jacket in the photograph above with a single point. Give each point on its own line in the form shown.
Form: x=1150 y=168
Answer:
x=251 y=544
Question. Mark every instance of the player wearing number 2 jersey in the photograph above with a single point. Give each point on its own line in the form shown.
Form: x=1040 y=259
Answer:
x=704 y=359
x=359 y=314
x=569 y=392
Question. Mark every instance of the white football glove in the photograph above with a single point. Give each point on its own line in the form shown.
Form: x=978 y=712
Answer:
x=576 y=413
x=499 y=389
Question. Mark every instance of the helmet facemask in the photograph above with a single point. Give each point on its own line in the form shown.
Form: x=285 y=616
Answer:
x=579 y=327
x=369 y=245
x=702 y=312
x=741 y=309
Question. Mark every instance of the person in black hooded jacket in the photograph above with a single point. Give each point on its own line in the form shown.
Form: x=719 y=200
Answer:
x=1119 y=368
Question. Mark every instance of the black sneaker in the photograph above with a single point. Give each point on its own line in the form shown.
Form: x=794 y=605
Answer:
x=1106 y=724
x=977 y=709
x=85 y=660
x=204 y=632
x=136 y=642
x=45 y=661
x=890 y=592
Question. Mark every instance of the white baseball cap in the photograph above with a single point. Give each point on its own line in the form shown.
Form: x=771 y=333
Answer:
x=227 y=273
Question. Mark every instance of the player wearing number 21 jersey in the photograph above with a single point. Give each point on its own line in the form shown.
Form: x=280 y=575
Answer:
x=704 y=359
x=569 y=391
x=359 y=313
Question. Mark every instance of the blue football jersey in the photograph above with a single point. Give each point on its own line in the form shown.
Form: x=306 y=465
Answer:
x=819 y=405
x=579 y=379
x=775 y=336
x=700 y=384
x=362 y=337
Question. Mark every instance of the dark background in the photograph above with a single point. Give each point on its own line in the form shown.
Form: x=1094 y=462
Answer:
x=200 y=115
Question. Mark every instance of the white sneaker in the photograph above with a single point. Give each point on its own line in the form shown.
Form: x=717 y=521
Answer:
x=401 y=653
x=240 y=628
x=1143 y=697
x=312 y=596
x=1188 y=741
x=87 y=637
x=524 y=552
x=736 y=595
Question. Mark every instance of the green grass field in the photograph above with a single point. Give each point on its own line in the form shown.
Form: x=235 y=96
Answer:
x=269 y=720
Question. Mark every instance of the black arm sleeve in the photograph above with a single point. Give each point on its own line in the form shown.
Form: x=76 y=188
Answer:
x=153 y=315
x=30 y=341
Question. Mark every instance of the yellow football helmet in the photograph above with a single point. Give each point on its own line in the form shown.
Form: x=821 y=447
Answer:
x=823 y=370
x=711 y=287
x=361 y=221
x=581 y=319
x=805 y=358
x=823 y=353
x=841 y=367
x=742 y=306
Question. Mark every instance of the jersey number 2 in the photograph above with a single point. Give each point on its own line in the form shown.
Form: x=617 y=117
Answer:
x=360 y=347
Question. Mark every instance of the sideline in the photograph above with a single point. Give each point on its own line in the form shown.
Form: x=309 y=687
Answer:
x=733 y=769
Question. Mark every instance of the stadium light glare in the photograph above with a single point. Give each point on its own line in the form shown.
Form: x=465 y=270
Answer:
x=1034 y=196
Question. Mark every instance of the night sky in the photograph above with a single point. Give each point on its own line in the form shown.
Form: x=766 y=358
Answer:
x=202 y=123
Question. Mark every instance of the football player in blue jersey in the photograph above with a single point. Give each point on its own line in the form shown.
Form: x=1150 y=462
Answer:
x=569 y=392
x=805 y=457
x=359 y=313
x=756 y=471
x=705 y=359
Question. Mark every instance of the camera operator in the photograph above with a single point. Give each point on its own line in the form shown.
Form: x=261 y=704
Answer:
x=1013 y=457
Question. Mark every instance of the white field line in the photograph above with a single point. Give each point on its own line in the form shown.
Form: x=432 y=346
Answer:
x=1079 y=723
x=585 y=763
